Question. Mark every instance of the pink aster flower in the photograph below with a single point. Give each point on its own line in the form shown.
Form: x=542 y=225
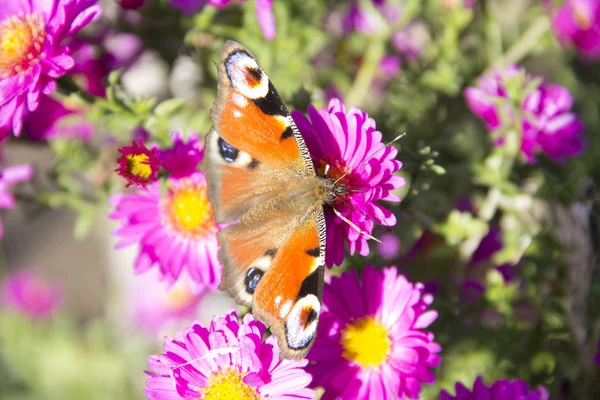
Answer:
x=138 y=164
x=500 y=390
x=27 y=293
x=153 y=308
x=175 y=230
x=183 y=158
x=368 y=20
x=227 y=360
x=389 y=247
x=547 y=124
x=371 y=342
x=194 y=6
x=32 y=55
x=131 y=4
x=578 y=22
x=350 y=144
x=411 y=40
x=266 y=19
x=10 y=176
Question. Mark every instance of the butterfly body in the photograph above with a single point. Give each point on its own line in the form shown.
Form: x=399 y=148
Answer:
x=264 y=188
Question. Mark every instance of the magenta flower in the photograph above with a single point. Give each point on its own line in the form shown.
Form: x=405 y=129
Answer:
x=577 y=22
x=175 y=231
x=488 y=246
x=27 y=293
x=371 y=342
x=131 y=4
x=153 y=308
x=194 y=6
x=183 y=158
x=266 y=19
x=32 y=55
x=500 y=390
x=411 y=40
x=390 y=246
x=10 y=176
x=547 y=124
x=52 y=120
x=227 y=360
x=138 y=165
x=368 y=21
x=389 y=66
x=349 y=143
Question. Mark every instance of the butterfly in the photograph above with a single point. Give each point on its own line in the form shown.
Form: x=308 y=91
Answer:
x=264 y=189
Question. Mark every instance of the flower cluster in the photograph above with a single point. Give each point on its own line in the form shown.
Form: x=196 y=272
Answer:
x=349 y=148
x=25 y=292
x=33 y=54
x=577 y=22
x=174 y=231
x=226 y=360
x=500 y=390
x=371 y=342
x=544 y=118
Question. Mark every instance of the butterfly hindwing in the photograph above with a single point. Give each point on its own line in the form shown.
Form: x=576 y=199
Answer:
x=261 y=183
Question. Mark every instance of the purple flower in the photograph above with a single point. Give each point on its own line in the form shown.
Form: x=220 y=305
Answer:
x=349 y=144
x=131 y=4
x=10 y=176
x=27 y=293
x=390 y=246
x=32 y=56
x=553 y=130
x=227 y=360
x=578 y=22
x=266 y=19
x=49 y=121
x=175 y=230
x=488 y=246
x=389 y=66
x=183 y=158
x=194 y=6
x=371 y=342
x=368 y=21
x=547 y=125
x=500 y=390
x=411 y=40
x=153 y=308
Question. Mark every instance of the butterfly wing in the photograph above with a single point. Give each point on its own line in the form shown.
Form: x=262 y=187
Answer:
x=254 y=146
x=260 y=177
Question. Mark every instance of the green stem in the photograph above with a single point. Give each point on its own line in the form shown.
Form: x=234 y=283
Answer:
x=67 y=86
x=369 y=67
x=521 y=48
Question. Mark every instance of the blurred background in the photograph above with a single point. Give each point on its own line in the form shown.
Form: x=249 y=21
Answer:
x=507 y=245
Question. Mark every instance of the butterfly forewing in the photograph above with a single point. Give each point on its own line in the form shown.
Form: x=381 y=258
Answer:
x=261 y=183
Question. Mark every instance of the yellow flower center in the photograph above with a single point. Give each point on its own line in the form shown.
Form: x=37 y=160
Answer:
x=138 y=165
x=366 y=342
x=189 y=210
x=228 y=385
x=180 y=296
x=582 y=17
x=21 y=42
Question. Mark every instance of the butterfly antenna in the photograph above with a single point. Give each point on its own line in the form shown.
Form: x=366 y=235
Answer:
x=211 y=354
x=371 y=156
x=352 y=224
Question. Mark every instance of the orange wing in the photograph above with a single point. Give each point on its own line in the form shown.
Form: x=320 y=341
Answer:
x=279 y=269
x=261 y=184
x=254 y=146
